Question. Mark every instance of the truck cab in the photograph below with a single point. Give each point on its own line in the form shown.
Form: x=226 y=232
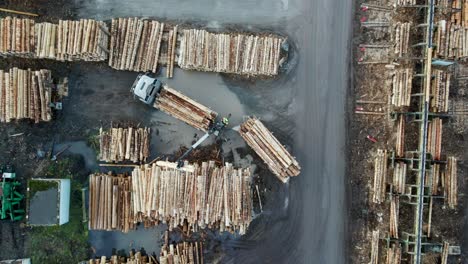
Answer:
x=145 y=88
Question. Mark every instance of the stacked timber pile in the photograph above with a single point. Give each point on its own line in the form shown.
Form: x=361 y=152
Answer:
x=133 y=258
x=17 y=37
x=435 y=179
x=375 y=247
x=400 y=137
x=270 y=150
x=394 y=254
x=230 y=53
x=182 y=253
x=46 y=37
x=401 y=36
x=451 y=41
x=196 y=196
x=445 y=253
x=461 y=17
x=402 y=81
x=110 y=204
x=399 y=177
x=405 y=2
x=25 y=94
x=394 y=216
x=135 y=44
x=184 y=108
x=434 y=138
x=86 y=40
x=451 y=185
x=118 y=144
x=440 y=91
x=380 y=175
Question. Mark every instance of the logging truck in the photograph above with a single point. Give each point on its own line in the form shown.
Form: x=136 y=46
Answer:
x=146 y=88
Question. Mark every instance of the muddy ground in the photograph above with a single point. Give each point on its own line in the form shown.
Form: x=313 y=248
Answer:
x=302 y=221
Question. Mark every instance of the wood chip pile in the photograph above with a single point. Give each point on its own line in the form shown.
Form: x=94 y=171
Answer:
x=270 y=150
x=25 y=94
x=380 y=176
x=135 y=44
x=182 y=253
x=17 y=37
x=440 y=89
x=401 y=36
x=110 y=203
x=124 y=144
x=230 y=53
x=199 y=196
x=183 y=108
x=402 y=81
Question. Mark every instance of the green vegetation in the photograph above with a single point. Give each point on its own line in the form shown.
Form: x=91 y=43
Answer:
x=67 y=243
x=93 y=141
x=39 y=186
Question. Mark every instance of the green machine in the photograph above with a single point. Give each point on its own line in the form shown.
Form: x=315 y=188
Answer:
x=10 y=207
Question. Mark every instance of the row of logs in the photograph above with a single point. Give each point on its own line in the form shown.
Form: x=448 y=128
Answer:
x=17 y=37
x=25 y=94
x=434 y=138
x=182 y=253
x=110 y=203
x=135 y=44
x=394 y=216
x=230 y=53
x=118 y=144
x=451 y=183
x=451 y=41
x=205 y=196
x=405 y=2
x=400 y=38
x=440 y=89
x=270 y=150
x=402 y=81
x=399 y=177
x=85 y=39
x=185 y=109
x=400 y=137
x=394 y=254
x=380 y=175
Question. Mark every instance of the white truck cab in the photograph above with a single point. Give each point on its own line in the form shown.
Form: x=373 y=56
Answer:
x=146 y=88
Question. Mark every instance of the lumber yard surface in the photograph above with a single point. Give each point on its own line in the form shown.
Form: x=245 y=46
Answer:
x=303 y=107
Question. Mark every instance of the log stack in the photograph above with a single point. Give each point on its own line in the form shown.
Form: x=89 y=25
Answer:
x=375 y=247
x=86 y=40
x=402 y=81
x=25 y=94
x=380 y=176
x=17 y=37
x=194 y=196
x=133 y=258
x=401 y=36
x=185 y=109
x=182 y=253
x=394 y=254
x=434 y=138
x=400 y=137
x=394 y=216
x=451 y=40
x=110 y=203
x=270 y=150
x=135 y=44
x=451 y=185
x=440 y=91
x=445 y=253
x=435 y=179
x=124 y=144
x=399 y=177
x=46 y=40
x=405 y=2
x=230 y=53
